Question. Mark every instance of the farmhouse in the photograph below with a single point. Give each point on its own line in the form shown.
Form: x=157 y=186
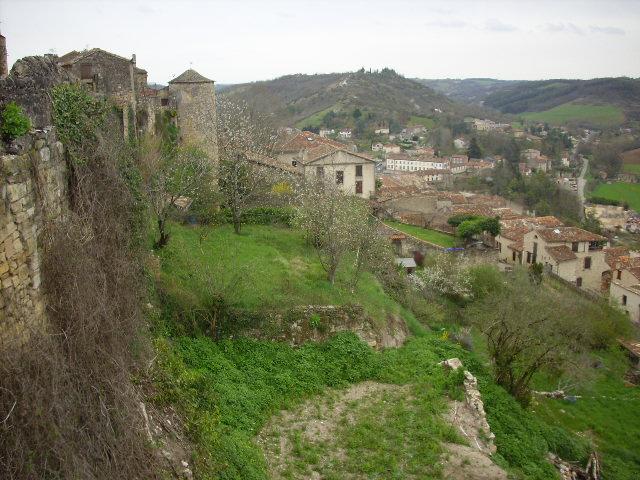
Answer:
x=625 y=285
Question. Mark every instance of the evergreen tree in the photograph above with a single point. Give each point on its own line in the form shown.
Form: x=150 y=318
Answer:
x=474 y=149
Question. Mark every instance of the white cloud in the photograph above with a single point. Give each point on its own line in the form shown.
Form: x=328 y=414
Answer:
x=606 y=30
x=495 y=25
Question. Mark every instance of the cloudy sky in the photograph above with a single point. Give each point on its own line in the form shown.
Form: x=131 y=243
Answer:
x=245 y=40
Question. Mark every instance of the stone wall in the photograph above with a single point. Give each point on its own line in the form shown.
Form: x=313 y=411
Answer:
x=33 y=187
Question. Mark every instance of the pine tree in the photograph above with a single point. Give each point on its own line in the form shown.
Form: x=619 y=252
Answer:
x=474 y=149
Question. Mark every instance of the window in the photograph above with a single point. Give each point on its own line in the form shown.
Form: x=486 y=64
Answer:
x=513 y=256
x=528 y=257
x=339 y=177
x=587 y=263
x=579 y=281
x=618 y=274
x=574 y=246
x=624 y=299
x=358 y=186
x=164 y=102
x=320 y=171
x=358 y=170
x=85 y=71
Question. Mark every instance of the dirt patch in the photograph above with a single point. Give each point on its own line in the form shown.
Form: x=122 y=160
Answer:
x=316 y=422
x=473 y=461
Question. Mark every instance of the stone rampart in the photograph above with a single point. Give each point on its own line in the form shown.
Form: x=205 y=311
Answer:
x=33 y=186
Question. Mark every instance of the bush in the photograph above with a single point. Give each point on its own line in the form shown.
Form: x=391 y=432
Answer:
x=261 y=216
x=14 y=122
x=604 y=201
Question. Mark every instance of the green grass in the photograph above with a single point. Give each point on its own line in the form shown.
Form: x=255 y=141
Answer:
x=624 y=192
x=606 y=413
x=631 y=168
x=426 y=122
x=432 y=236
x=265 y=267
x=315 y=120
x=572 y=112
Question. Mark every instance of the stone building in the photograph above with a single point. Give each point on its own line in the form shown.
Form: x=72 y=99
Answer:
x=194 y=99
x=4 y=67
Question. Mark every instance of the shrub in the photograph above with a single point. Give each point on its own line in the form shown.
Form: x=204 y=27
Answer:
x=14 y=122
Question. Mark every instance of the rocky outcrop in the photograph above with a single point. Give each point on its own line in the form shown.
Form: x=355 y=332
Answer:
x=29 y=85
x=319 y=322
x=470 y=416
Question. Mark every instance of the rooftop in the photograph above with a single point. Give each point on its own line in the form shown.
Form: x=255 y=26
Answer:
x=561 y=253
x=190 y=76
x=568 y=234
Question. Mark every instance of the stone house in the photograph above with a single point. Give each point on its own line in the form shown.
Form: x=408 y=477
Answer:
x=353 y=172
x=510 y=241
x=571 y=253
x=625 y=286
x=325 y=132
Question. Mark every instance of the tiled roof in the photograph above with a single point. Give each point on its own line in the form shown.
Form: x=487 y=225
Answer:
x=546 y=221
x=190 y=76
x=517 y=246
x=612 y=255
x=561 y=253
x=514 y=233
x=304 y=141
x=324 y=150
x=471 y=209
x=568 y=234
x=635 y=271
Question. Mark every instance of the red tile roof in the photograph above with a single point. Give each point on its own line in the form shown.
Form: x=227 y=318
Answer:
x=568 y=234
x=561 y=253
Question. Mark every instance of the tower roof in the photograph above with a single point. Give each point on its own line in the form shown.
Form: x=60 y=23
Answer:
x=190 y=76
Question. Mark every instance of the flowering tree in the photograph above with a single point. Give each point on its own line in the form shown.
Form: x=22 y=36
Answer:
x=173 y=179
x=444 y=274
x=245 y=145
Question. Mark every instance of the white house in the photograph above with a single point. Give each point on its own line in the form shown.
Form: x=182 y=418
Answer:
x=345 y=133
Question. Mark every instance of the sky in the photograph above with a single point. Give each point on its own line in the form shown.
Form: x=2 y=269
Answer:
x=248 y=40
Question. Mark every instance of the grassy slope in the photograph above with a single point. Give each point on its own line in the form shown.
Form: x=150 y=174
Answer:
x=424 y=121
x=606 y=412
x=626 y=192
x=631 y=168
x=570 y=112
x=433 y=236
x=265 y=268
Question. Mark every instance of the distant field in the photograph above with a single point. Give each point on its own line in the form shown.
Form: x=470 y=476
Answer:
x=625 y=192
x=433 y=236
x=314 y=120
x=562 y=114
x=424 y=121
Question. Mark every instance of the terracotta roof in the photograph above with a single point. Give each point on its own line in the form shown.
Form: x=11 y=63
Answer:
x=514 y=233
x=546 y=221
x=324 y=150
x=471 y=209
x=625 y=262
x=517 y=246
x=561 y=253
x=612 y=255
x=635 y=271
x=304 y=141
x=190 y=76
x=568 y=234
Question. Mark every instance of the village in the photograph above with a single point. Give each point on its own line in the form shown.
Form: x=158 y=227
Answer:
x=372 y=280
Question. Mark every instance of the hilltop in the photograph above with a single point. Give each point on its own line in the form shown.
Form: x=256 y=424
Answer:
x=382 y=96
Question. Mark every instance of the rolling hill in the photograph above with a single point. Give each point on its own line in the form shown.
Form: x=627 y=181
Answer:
x=601 y=101
x=596 y=102
x=382 y=96
x=466 y=90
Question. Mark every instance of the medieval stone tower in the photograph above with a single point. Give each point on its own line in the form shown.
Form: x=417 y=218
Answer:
x=194 y=98
x=4 y=66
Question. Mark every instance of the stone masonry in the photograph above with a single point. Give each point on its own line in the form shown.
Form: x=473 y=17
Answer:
x=33 y=187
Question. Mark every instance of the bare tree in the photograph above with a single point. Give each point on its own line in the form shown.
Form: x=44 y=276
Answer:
x=528 y=327
x=173 y=178
x=245 y=145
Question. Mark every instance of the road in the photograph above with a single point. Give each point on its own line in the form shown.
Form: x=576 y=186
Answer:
x=582 y=181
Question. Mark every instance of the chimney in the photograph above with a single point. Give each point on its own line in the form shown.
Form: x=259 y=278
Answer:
x=4 y=67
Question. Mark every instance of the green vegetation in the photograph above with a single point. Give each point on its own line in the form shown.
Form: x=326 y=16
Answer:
x=316 y=120
x=265 y=268
x=623 y=192
x=77 y=117
x=605 y=412
x=426 y=122
x=428 y=235
x=14 y=122
x=633 y=168
x=572 y=112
